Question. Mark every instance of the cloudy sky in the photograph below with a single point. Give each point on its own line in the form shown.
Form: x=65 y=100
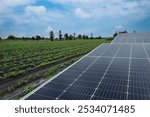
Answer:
x=100 y=17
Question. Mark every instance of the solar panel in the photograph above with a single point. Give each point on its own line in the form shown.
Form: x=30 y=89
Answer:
x=114 y=71
x=122 y=52
x=132 y=38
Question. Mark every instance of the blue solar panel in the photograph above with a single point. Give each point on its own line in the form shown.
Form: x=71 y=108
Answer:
x=85 y=84
x=39 y=97
x=110 y=72
x=137 y=97
x=99 y=50
x=109 y=95
x=47 y=92
x=138 y=51
x=132 y=38
x=56 y=86
x=122 y=52
x=111 y=51
x=90 y=78
x=73 y=96
x=63 y=81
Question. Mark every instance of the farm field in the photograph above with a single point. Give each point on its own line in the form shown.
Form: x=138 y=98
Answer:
x=24 y=64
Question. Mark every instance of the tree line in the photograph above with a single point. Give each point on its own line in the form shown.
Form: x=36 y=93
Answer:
x=116 y=33
x=61 y=36
x=52 y=37
x=73 y=36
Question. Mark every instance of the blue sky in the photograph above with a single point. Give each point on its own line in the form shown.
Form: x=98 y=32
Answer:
x=100 y=17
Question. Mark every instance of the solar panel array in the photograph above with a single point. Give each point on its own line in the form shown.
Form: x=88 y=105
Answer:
x=132 y=38
x=111 y=71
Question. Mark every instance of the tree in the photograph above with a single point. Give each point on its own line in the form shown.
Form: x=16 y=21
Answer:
x=42 y=38
x=99 y=37
x=60 y=35
x=74 y=36
x=115 y=34
x=70 y=37
x=91 y=35
x=66 y=36
x=38 y=37
x=84 y=37
x=79 y=36
x=51 y=35
x=33 y=38
x=22 y=38
x=11 y=37
x=0 y=39
x=123 y=31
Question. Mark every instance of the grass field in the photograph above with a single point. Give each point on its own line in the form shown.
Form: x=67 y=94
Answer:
x=22 y=62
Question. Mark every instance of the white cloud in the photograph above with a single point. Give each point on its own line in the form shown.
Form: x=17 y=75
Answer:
x=100 y=8
x=38 y=10
x=110 y=8
x=82 y=2
x=48 y=29
x=82 y=14
x=119 y=27
x=74 y=1
x=4 y=4
x=108 y=12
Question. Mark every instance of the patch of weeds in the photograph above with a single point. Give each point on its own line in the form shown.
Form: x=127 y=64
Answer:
x=28 y=89
x=10 y=88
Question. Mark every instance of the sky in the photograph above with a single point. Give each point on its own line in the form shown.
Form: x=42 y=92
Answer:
x=100 y=17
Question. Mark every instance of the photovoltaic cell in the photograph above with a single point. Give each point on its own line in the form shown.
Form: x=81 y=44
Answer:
x=90 y=78
x=131 y=40
x=138 y=51
x=122 y=52
x=109 y=95
x=47 y=92
x=137 y=97
x=81 y=90
x=56 y=86
x=39 y=97
x=99 y=50
x=85 y=84
x=63 y=81
x=147 y=47
x=117 y=71
x=111 y=51
x=73 y=96
x=123 y=40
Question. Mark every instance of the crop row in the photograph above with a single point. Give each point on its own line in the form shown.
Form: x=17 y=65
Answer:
x=28 y=57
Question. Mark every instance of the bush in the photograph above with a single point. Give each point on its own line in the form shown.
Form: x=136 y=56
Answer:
x=29 y=89
x=10 y=88
x=1 y=93
x=21 y=82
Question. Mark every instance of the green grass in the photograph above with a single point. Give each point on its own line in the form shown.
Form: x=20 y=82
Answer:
x=17 y=57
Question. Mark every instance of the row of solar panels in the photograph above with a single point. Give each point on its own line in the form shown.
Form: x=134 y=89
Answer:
x=132 y=38
x=111 y=71
x=124 y=50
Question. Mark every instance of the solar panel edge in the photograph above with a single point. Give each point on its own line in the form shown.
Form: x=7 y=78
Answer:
x=42 y=85
x=114 y=39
